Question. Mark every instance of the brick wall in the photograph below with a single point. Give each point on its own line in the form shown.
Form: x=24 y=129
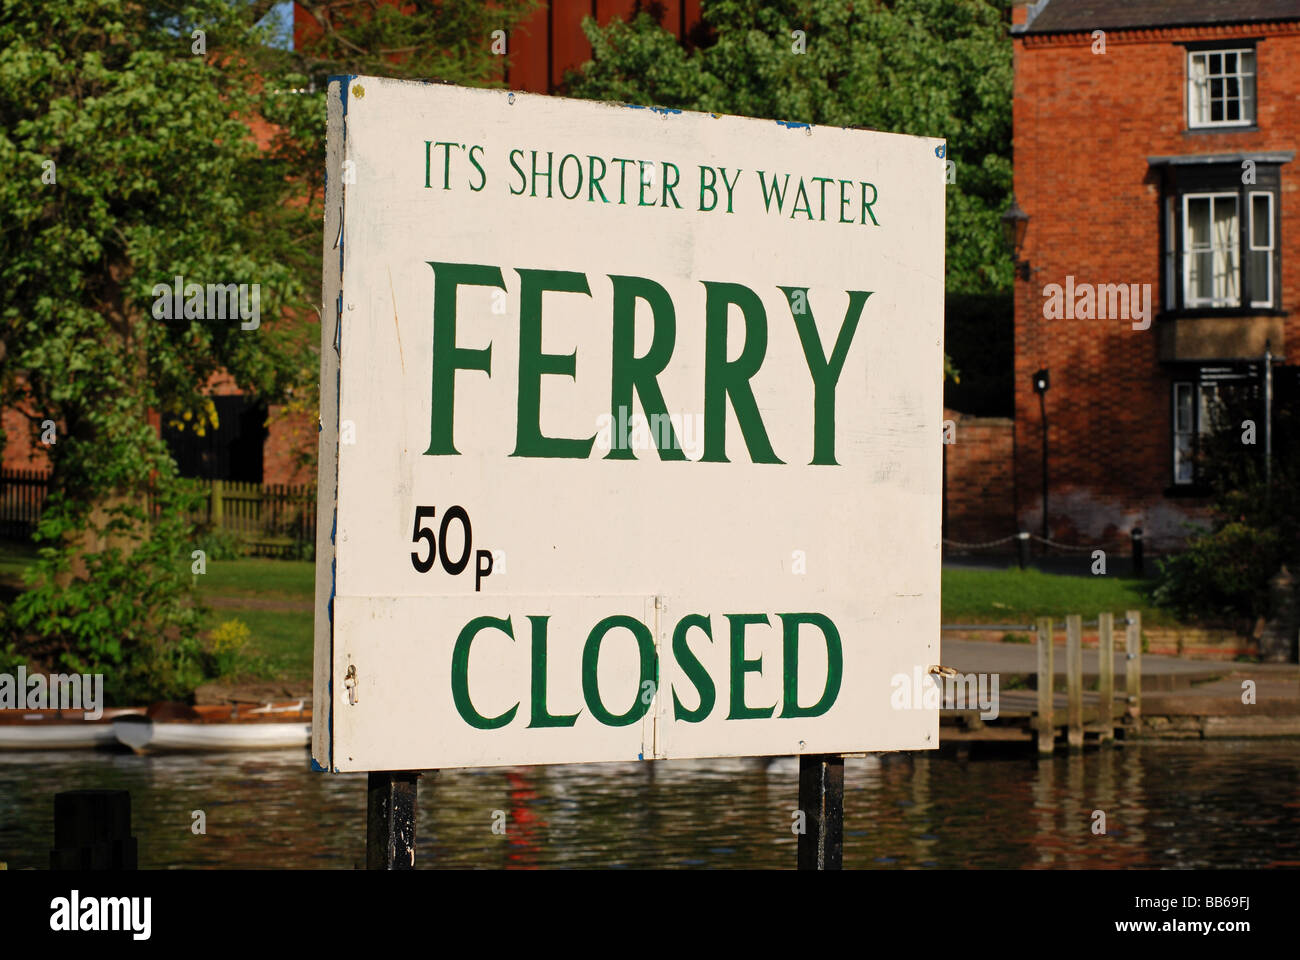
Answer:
x=23 y=449
x=979 y=479
x=1084 y=125
x=288 y=456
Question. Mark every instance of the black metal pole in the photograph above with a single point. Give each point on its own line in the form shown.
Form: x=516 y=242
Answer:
x=1268 y=418
x=1138 y=568
x=821 y=800
x=1042 y=405
x=390 y=819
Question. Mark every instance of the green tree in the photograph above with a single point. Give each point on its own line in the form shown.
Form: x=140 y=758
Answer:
x=937 y=68
x=144 y=140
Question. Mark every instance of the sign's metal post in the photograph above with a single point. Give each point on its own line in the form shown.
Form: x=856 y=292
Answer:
x=390 y=819
x=821 y=800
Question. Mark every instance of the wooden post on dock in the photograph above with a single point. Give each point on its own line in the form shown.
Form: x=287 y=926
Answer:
x=1133 y=664
x=1074 y=680
x=1106 y=676
x=1046 y=675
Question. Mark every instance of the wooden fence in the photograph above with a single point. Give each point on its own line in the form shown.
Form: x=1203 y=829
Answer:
x=269 y=519
x=22 y=497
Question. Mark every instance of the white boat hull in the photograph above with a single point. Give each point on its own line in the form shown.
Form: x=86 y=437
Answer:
x=163 y=736
x=56 y=736
x=61 y=729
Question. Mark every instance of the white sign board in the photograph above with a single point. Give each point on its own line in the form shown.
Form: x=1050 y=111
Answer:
x=630 y=438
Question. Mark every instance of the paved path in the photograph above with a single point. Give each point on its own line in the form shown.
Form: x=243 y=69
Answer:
x=978 y=656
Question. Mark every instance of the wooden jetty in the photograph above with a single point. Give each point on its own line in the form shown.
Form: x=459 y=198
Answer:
x=1184 y=699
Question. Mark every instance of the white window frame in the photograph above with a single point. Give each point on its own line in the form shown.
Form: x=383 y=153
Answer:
x=1251 y=248
x=1190 y=302
x=1246 y=80
x=1171 y=255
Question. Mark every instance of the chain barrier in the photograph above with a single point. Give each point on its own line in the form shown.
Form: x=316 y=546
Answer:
x=1148 y=542
x=977 y=546
x=1084 y=549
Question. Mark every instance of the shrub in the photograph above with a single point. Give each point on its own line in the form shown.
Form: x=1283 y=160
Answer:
x=227 y=654
x=1224 y=572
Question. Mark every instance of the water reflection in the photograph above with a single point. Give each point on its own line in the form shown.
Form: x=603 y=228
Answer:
x=1181 y=805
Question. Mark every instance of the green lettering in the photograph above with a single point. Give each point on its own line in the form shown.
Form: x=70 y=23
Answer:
x=639 y=374
x=541 y=718
x=741 y=666
x=591 y=657
x=825 y=374
x=834 y=663
x=723 y=379
x=533 y=365
x=460 y=673
x=447 y=357
x=693 y=669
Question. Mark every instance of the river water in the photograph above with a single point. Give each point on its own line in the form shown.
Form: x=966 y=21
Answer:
x=1166 y=804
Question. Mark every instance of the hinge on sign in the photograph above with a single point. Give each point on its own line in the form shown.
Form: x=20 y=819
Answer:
x=350 y=683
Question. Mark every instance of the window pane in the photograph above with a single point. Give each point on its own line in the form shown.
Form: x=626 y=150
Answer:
x=1248 y=99
x=1261 y=293
x=1183 y=408
x=1216 y=63
x=1200 y=276
x=1230 y=63
x=1261 y=221
x=1183 y=458
x=1198 y=222
x=1211 y=409
x=1248 y=61
x=1225 y=249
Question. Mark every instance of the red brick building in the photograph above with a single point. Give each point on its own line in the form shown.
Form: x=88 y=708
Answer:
x=1155 y=145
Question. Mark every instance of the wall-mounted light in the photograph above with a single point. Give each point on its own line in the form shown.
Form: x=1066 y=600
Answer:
x=1015 y=224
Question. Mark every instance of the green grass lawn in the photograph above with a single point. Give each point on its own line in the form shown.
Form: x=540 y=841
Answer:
x=282 y=639
x=1019 y=596
x=286 y=580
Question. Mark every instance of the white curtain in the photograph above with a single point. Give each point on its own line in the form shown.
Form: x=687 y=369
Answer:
x=1226 y=234
x=1197 y=90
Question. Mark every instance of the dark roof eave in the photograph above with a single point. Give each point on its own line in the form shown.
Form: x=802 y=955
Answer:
x=1022 y=30
x=1258 y=156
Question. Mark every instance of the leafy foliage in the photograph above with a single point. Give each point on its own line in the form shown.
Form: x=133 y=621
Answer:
x=144 y=141
x=932 y=67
